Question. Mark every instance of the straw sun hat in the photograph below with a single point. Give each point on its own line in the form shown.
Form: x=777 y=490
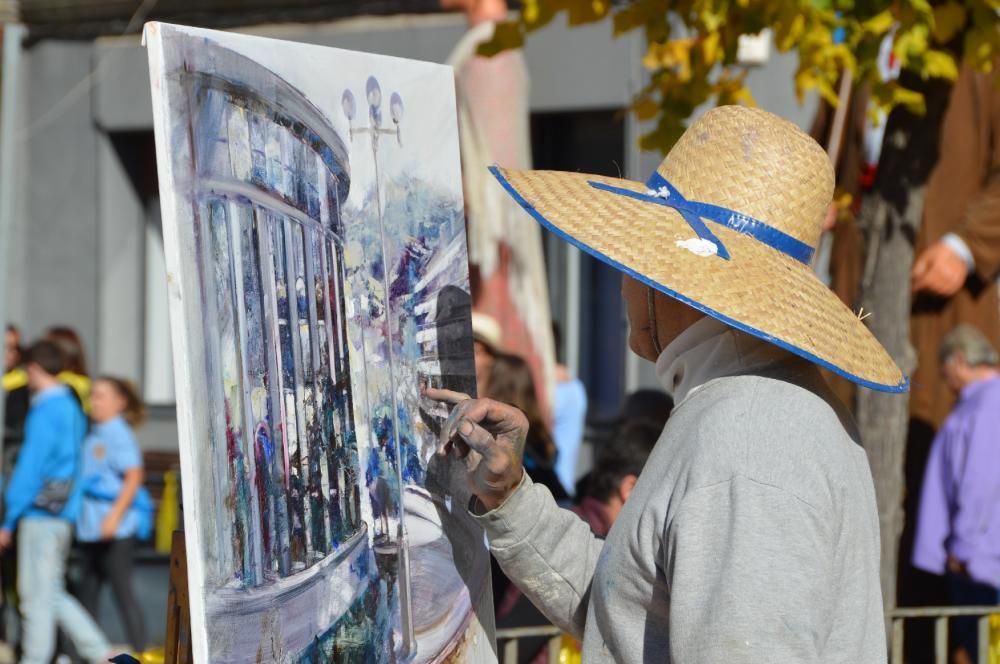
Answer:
x=727 y=224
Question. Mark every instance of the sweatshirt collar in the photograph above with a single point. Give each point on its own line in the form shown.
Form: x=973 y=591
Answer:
x=707 y=350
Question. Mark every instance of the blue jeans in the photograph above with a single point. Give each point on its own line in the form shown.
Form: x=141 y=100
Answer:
x=42 y=549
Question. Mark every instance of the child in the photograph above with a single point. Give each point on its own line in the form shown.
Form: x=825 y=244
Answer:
x=42 y=503
x=116 y=509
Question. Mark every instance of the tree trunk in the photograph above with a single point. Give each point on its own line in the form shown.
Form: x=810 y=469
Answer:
x=890 y=219
x=883 y=418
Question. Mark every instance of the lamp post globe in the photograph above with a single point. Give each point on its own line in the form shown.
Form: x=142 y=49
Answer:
x=349 y=105
x=396 y=108
x=374 y=92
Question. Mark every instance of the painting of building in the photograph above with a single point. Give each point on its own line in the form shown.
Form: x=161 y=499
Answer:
x=315 y=249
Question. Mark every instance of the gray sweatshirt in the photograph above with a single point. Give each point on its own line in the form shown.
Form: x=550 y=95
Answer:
x=751 y=535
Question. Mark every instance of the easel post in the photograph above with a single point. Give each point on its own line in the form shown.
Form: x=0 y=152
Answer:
x=177 y=649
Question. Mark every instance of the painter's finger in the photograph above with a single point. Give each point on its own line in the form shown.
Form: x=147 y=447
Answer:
x=472 y=460
x=450 y=427
x=478 y=438
x=500 y=419
x=447 y=396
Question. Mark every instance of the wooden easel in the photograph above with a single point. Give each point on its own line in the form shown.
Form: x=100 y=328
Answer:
x=177 y=649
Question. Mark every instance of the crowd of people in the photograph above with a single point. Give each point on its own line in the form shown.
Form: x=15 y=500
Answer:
x=72 y=474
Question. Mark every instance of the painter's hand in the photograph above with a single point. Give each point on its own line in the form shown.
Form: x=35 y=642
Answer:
x=490 y=430
x=6 y=539
x=939 y=270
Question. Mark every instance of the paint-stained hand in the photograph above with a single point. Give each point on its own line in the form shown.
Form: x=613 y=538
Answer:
x=490 y=437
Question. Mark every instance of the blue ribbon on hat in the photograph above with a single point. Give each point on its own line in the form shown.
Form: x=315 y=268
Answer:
x=661 y=192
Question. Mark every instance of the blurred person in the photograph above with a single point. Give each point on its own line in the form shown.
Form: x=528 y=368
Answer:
x=511 y=382
x=116 y=509
x=645 y=406
x=16 y=398
x=487 y=342
x=16 y=401
x=936 y=172
x=958 y=250
x=13 y=374
x=616 y=471
x=958 y=525
x=569 y=415
x=617 y=466
x=752 y=533
x=75 y=374
x=42 y=501
x=507 y=265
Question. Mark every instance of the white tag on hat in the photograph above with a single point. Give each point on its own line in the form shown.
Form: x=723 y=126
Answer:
x=699 y=246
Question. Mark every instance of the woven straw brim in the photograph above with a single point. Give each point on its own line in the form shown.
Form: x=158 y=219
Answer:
x=759 y=290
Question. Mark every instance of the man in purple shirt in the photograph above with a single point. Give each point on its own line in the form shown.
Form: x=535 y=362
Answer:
x=958 y=526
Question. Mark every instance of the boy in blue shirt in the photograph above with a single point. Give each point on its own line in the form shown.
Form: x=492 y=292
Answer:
x=42 y=501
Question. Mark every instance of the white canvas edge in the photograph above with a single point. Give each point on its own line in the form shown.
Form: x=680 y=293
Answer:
x=190 y=411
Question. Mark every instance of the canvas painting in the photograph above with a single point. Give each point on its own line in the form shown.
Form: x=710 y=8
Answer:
x=318 y=277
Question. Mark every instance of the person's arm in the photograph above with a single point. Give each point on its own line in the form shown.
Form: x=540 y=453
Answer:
x=548 y=552
x=980 y=227
x=26 y=480
x=747 y=565
x=974 y=246
x=934 y=515
x=127 y=461
x=130 y=486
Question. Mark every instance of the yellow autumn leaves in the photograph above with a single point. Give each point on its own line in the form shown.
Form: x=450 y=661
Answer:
x=691 y=45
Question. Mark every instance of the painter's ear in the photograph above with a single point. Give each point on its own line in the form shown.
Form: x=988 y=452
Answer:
x=625 y=488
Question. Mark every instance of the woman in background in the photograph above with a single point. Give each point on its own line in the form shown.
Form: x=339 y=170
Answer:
x=116 y=509
x=510 y=381
x=75 y=374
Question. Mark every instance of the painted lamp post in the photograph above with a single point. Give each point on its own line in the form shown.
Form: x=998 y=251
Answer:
x=373 y=95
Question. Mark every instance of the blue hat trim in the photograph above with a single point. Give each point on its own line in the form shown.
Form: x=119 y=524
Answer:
x=902 y=386
x=661 y=192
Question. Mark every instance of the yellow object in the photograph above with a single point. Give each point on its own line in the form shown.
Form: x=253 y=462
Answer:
x=152 y=656
x=167 y=518
x=994 y=653
x=80 y=385
x=14 y=379
x=569 y=650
